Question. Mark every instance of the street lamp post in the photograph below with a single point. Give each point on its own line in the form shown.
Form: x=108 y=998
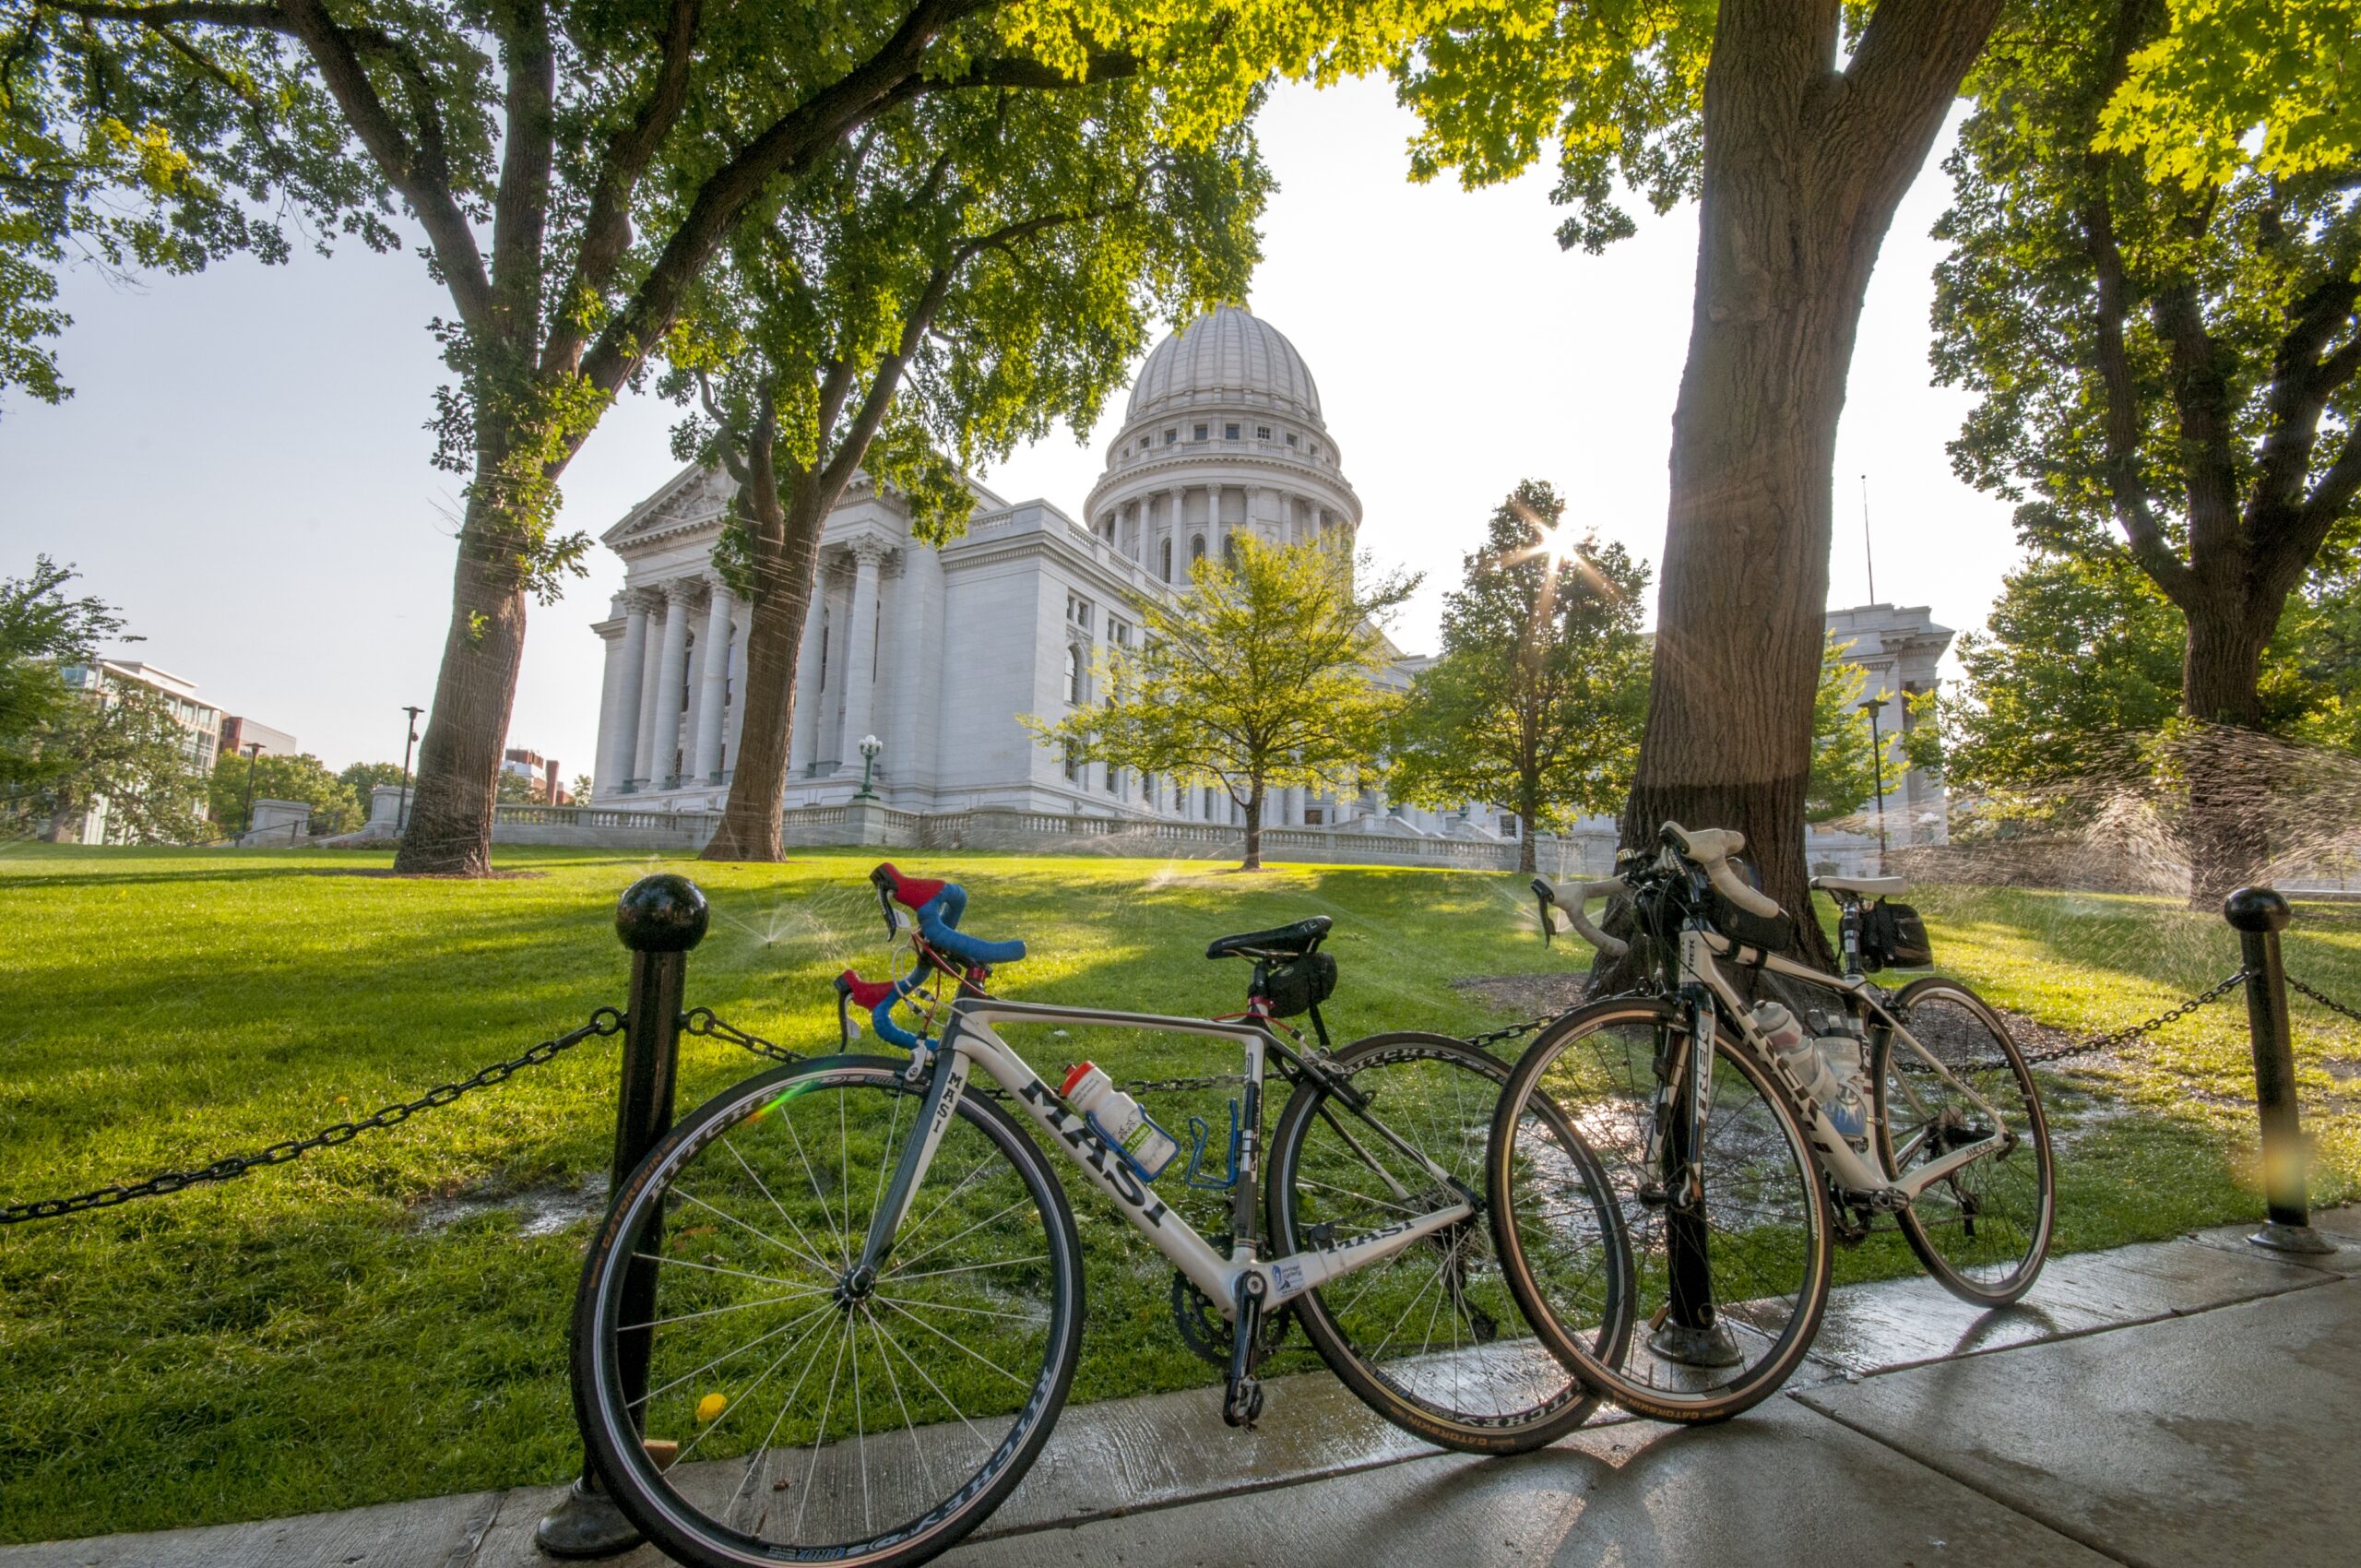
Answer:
x=1877 y=762
x=870 y=746
x=401 y=810
x=253 y=749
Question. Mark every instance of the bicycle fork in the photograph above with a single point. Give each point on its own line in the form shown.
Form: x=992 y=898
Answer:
x=1688 y=1329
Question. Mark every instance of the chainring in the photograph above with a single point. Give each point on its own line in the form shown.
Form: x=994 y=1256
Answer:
x=1208 y=1333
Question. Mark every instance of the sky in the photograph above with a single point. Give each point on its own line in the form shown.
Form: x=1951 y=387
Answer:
x=245 y=466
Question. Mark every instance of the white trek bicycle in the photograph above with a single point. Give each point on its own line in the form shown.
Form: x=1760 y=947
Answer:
x=1738 y=1164
x=835 y=1313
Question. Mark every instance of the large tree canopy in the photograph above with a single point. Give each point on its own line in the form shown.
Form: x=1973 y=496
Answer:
x=2165 y=370
x=1536 y=698
x=970 y=272
x=568 y=172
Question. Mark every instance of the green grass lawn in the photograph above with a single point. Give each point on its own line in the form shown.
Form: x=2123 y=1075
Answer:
x=388 y=1320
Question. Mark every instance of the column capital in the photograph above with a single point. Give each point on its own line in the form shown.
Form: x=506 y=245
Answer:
x=685 y=590
x=868 y=551
x=642 y=601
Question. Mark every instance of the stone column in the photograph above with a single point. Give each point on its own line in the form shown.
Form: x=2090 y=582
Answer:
x=860 y=649
x=716 y=683
x=742 y=625
x=804 y=743
x=651 y=672
x=618 y=725
x=672 y=675
x=1252 y=494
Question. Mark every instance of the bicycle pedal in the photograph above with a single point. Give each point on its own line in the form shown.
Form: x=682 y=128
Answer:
x=1242 y=1404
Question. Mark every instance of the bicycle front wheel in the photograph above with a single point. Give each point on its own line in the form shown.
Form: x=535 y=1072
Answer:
x=751 y=1395
x=1728 y=1282
x=1429 y=1338
x=1982 y=1230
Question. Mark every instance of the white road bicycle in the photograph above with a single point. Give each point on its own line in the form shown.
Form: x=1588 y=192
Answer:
x=835 y=1313
x=1737 y=1168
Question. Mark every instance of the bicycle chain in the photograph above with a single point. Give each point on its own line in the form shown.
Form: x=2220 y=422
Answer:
x=604 y=1021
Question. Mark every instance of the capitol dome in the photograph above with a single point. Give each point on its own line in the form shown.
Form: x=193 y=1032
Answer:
x=1227 y=358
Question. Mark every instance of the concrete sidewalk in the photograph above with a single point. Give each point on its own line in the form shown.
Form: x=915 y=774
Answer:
x=2192 y=1402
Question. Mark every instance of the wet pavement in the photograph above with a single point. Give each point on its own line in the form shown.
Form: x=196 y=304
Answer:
x=2196 y=1402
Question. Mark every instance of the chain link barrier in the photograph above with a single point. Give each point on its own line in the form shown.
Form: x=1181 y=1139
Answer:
x=2332 y=1003
x=2205 y=998
x=228 y=1168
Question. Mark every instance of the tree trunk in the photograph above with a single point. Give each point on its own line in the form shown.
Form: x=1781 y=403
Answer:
x=786 y=546
x=450 y=829
x=2228 y=786
x=1803 y=168
x=1253 y=860
x=1526 y=810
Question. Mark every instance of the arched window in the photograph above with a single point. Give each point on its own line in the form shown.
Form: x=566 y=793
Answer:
x=1229 y=551
x=1197 y=548
x=1073 y=674
x=1168 y=561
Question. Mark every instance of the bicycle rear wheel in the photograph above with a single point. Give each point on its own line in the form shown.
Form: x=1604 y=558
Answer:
x=1726 y=1293
x=797 y=1408
x=1429 y=1338
x=1983 y=1230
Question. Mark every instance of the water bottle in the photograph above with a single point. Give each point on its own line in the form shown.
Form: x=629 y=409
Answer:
x=1841 y=1055
x=1117 y=1117
x=1796 y=1053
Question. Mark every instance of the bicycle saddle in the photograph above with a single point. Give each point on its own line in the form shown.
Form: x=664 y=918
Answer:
x=1280 y=942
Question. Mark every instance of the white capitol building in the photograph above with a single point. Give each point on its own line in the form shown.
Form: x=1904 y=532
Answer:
x=937 y=651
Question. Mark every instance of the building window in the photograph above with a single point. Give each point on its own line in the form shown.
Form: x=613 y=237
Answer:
x=1120 y=631
x=1229 y=551
x=1261 y=432
x=1200 y=433
x=1197 y=548
x=1078 y=612
x=1114 y=780
x=1074 y=764
x=1509 y=825
x=1076 y=678
x=1170 y=436
x=1290 y=437
x=1167 y=560
x=1229 y=432
x=1315 y=816
x=823 y=653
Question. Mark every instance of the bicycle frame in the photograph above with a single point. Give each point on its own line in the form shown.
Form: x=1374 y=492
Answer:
x=969 y=1042
x=1700 y=949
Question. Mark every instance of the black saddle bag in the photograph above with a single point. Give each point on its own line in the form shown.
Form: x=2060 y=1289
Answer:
x=1893 y=937
x=1300 y=984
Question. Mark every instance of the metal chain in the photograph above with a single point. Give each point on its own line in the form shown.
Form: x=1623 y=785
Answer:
x=2330 y=1003
x=703 y=1021
x=1492 y=1038
x=2211 y=994
x=604 y=1021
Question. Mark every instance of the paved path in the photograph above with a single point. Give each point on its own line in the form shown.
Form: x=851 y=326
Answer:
x=2190 y=1402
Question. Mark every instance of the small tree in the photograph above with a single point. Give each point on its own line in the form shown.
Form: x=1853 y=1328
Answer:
x=1539 y=693
x=238 y=779
x=1843 y=767
x=40 y=632
x=1260 y=674
x=119 y=745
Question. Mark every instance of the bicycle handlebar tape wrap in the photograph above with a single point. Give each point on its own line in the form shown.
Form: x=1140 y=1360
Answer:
x=940 y=905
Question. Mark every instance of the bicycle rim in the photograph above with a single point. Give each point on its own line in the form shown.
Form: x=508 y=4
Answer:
x=1983 y=1230
x=1724 y=1295
x=795 y=1408
x=1430 y=1337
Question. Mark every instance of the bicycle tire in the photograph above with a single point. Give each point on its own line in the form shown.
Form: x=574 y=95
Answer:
x=1944 y=1216
x=671 y=1501
x=1652 y=1374
x=1485 y=1393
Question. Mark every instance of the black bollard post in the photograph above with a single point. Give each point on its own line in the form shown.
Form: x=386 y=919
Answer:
x=660 y=919
x=2259 y=914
